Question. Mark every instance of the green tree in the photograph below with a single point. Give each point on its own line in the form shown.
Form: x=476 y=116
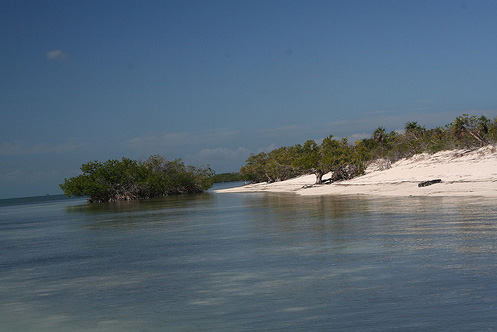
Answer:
x=255 y=168
x=228 y=177
x=279 y=163
x=414 y=130
x=379 y=135
x=474 y=127
x=346 y=160
x=341 y=159
x=128 y=179
x=333 y=156
x=311 y=161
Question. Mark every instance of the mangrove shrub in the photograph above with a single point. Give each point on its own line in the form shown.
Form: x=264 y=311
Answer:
x=128 y=179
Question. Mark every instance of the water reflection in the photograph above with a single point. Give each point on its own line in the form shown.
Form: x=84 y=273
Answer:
x=177 y=201
x=252 y=262
x=438 y=229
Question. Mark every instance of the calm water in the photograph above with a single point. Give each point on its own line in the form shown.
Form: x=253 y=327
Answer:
x=249 y=262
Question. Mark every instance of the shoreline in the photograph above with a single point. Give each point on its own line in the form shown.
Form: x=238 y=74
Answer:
x=463 y=173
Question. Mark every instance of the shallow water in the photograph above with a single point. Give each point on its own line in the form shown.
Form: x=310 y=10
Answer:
x=246 y=262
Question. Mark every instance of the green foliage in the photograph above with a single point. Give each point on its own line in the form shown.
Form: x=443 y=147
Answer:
x=228 y=177
x=466 y=129
x=336 y=156
x=310 y=160
x=279 y=163
x=287 y=162
x=129 y=179
x=273 y=166
x=255 y=169
x=346 y=161
x=464 y=132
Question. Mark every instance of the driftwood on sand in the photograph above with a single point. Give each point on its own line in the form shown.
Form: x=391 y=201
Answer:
x=429 y=182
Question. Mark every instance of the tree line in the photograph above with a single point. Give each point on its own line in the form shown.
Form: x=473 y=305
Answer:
x=227 y=177
x=128 y=179
x=346 y=161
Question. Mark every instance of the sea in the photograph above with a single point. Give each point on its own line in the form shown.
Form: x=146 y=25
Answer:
x=249 y=262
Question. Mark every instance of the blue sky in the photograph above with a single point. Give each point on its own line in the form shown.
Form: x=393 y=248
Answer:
x=213 y=81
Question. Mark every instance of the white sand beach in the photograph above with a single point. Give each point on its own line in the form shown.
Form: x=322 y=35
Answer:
x=463 y=173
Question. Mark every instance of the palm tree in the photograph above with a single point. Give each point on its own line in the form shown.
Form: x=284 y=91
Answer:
x=414 y=129
x=379 y=135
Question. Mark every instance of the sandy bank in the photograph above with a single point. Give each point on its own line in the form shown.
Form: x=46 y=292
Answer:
x=463 y=173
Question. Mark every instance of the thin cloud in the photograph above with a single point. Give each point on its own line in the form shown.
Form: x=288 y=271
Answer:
x=395 y=121
x=219 y=135
x=222 y=153
x=220 y=159
x=29 y=176
x=161 y=142
x=279 y=130
x=155 y=142
x=56 y=55
x=268 y=148
x=19 y=149
x=357 y=137
x=378 y=112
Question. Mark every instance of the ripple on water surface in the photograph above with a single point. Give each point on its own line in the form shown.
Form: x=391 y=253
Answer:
x=249 y=262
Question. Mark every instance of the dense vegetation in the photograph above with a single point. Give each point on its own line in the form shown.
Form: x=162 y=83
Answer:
x=128 y=179
x=227 y=177
x=346 y=161
x=156 y=177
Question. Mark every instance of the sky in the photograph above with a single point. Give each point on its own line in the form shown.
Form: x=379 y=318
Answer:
x=212 y=81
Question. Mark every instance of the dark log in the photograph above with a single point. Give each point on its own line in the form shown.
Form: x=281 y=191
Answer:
x=429 y=183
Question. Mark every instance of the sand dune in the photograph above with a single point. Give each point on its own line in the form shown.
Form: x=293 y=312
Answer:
x=463 y=173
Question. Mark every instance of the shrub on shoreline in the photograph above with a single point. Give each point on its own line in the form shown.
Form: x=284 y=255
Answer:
x=128 y=179
x=349 y=160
